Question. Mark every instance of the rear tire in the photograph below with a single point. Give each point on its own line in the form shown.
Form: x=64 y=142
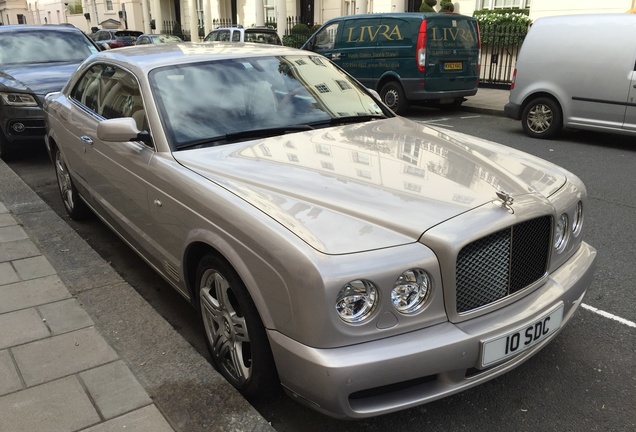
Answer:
x=75 y=207
x=234 y=333
x=393 y=96
x=542 y=118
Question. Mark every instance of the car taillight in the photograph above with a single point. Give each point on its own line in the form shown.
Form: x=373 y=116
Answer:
x=514 y=78
x=420 y=51
x=116 y=44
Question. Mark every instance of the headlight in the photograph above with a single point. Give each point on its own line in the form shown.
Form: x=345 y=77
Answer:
x=561 y=232
x=410 y=291
x=18 y=99
x=577 y=223
x=356 y=301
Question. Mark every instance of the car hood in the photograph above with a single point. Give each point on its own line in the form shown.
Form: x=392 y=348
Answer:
x=40 y=78
x=371 y=185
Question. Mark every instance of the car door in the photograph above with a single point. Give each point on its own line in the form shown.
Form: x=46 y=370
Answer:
x=114 y=173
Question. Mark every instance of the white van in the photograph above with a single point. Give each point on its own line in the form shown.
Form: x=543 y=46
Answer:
x=577 y=72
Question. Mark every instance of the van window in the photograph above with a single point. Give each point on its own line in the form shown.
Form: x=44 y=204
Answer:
x=452 y=34
x=326 y=38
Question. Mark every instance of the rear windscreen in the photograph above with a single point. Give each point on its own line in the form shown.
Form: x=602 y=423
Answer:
x=452 y=33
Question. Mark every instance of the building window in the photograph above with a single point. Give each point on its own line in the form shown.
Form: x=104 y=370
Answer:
x=292 y=157
x=21 y=19
x=322 y=88
x=327 y=165
x=361 y=158
x=323 y=149
x=270 y=13
x=364 y=174
x=349 y=7
x=503 y=4
x=109 y=4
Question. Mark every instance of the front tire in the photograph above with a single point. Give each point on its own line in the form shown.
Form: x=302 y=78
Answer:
x=75 y=207
x=393 y=96
x=234 y=332
x=542 y=118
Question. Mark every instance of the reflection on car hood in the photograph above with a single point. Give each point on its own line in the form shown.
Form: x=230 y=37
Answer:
x=40 y=78
x=371 y=185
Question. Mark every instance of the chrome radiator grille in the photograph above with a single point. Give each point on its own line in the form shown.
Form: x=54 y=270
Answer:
x=502 y=263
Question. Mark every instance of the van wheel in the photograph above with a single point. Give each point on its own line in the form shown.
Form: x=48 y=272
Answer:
x=542 y=118
x=234 y=332
x=393 y=97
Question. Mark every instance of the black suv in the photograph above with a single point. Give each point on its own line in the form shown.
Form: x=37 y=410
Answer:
x=266 y=35
x=34 y=61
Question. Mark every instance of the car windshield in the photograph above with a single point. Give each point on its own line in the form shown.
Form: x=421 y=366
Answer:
x=43 y=47
x=236 y=99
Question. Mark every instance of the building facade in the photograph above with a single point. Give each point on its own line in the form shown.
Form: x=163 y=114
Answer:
x=197 y=17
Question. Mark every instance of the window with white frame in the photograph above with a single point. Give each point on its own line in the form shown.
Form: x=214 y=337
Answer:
x=350 y=7
x=270 y=12
x=502 y=4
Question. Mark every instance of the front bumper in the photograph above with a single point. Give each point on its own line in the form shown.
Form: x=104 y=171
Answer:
x=399 y=372
x=23 y=124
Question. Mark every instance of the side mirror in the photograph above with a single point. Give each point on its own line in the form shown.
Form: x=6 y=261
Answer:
x=122 y=129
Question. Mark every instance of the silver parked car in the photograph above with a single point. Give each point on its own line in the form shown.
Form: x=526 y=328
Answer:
x=366 y=262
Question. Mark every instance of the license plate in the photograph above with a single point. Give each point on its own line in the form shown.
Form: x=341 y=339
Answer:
x=517 y=341
x=453 y=66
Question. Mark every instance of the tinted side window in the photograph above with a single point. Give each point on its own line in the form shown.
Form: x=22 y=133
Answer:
x=110 y=92
x=236 y=36
x=326 y=39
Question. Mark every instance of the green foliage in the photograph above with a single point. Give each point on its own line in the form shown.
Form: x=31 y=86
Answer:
x=75 y=8
x=447 y=6
x=503 y=26
x=300 y=29
x=427 y=6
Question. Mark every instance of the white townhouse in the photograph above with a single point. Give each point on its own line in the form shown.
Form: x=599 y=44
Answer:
x=202 y=15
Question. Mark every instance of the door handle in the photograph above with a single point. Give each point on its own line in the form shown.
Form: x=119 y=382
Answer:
x=87 y=139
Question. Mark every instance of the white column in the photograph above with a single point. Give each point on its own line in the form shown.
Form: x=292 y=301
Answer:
x=281 y=16
x=157 y=16
x=194 y=21
x=145 y=10
x=207 y=16
x=362 y=6
x=259 y=15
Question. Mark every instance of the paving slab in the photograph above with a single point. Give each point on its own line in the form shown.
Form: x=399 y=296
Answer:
x=114 y=389
x=58 y=406
x=64 y=316
x=147 y=419
x=24 y=294
x=34 y=267
x=17 y=249
x=9 y=378
x=12 y=233
x=21 y=327
x=8 y=274
x=62 y=355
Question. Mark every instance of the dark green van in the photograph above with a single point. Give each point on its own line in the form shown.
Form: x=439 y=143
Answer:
x=407 y=57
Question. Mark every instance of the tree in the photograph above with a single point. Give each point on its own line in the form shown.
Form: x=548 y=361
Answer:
x=427 y=6
x=446 y=6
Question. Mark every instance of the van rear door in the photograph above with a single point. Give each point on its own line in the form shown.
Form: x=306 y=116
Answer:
x=452 y=53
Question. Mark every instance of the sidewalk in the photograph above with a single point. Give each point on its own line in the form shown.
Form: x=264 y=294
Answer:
x=487 y=101
x=80 y=350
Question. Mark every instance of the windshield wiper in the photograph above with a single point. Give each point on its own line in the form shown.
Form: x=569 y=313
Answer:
x=238 y=136
x=350 y=119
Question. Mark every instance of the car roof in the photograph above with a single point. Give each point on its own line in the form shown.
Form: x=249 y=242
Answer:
x=35 y=28
x=147 y=57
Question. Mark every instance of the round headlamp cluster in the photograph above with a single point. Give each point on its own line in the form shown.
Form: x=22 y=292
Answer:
x=564 y=228
x=359 y=298
x=411 y=291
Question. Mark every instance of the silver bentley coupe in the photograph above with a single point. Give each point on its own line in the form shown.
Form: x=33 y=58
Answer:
x=364 y=262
